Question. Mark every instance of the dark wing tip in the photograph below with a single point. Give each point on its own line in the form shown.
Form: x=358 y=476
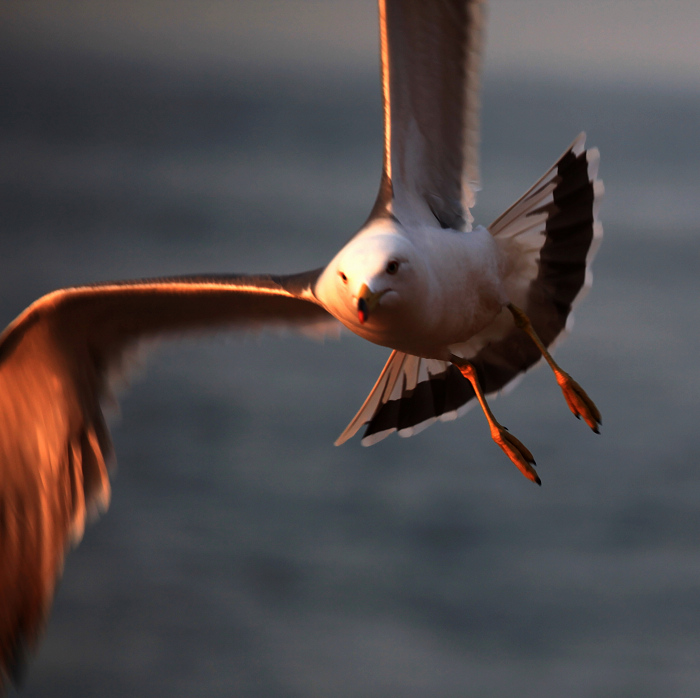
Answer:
x=15 y=663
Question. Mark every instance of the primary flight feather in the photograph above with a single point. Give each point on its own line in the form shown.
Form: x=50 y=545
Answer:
x=465 y=309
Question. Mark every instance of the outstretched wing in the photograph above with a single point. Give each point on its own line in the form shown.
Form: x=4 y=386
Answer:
x=55 y=362
x=431 y=60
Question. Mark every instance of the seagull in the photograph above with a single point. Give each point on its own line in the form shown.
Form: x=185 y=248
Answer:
x=465 y=309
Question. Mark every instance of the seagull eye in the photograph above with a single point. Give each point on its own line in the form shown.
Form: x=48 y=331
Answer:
x=392 y=267
x=343 y=277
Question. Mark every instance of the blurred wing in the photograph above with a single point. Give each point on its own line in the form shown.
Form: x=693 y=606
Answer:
x=431 y=60
x=55 y=361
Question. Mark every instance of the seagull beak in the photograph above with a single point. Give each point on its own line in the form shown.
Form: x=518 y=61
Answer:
x=367 y=301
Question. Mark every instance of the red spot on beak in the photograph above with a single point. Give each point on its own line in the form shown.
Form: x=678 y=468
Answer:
x=362 y=310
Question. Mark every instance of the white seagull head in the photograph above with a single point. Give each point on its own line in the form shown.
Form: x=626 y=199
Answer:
x=375 y=284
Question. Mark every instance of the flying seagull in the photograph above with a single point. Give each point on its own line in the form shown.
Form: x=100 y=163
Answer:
x=466 y=310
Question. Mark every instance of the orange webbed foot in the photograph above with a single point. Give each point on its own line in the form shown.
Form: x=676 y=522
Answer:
x=578 y=401
x=516 y=451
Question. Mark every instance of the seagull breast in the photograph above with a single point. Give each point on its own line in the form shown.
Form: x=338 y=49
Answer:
x=412 y=289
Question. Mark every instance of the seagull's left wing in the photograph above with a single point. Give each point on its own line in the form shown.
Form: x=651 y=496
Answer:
x=55 y=363
x=431 y=60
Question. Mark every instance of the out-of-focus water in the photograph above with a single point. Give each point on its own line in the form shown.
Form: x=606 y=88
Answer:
x=245 y=555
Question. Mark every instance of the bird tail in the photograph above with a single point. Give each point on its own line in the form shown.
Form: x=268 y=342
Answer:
x=548 y=239
x=410 y=394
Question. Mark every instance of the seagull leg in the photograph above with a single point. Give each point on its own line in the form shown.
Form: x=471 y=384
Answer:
x=576 y=398
x=513 y=448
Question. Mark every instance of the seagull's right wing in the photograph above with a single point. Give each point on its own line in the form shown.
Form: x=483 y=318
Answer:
x=431 y=62
x=55 y=362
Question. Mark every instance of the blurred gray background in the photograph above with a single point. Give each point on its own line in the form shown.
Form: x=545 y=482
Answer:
x=243 y=554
